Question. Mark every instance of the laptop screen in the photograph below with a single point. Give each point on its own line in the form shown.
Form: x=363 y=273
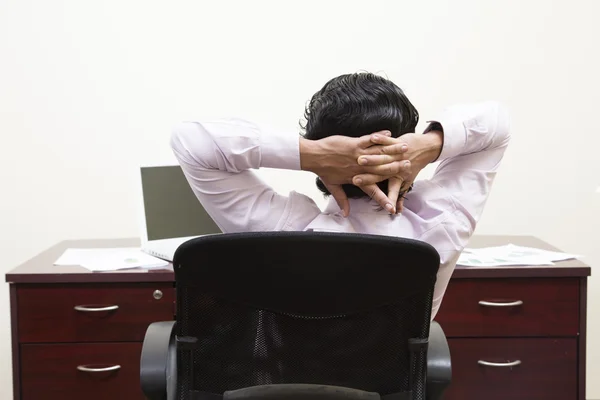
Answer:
x=171 y=207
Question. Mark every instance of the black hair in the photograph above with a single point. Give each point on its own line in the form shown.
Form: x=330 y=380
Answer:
x=355 y=105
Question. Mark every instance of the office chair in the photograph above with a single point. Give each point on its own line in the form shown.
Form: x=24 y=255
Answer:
x=299 y=315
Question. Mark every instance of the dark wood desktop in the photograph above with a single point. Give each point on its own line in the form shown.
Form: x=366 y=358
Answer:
x=514 y=332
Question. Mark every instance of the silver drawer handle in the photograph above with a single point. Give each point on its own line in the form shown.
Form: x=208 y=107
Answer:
x=500 y=304
x=95 y=309
x=493 y=364
x=105 y=369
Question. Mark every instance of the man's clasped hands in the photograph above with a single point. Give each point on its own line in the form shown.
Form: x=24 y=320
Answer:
x=367 y=160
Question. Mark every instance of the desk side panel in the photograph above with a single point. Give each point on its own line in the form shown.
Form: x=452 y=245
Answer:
x=582 y=337
x=16 y=356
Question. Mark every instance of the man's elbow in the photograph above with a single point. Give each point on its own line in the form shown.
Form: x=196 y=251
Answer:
x=494 y=117
x=187 y=142
x=179 y=136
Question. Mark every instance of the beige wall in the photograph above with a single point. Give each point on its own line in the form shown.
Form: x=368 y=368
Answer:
x=89 y=91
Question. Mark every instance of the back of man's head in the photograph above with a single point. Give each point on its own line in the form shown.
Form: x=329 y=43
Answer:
x=356 y=105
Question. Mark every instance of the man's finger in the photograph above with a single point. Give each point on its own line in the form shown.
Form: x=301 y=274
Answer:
x=376 y=159
x=377 y=194
x=379 y=158
x=340 y=197
x=396 y=148
x=394 y=190
x=367 y=140
x=368 y=179
x=406 y=186
x=400 y=205
x=383 y=140
x=380 y=173
x=402 y=168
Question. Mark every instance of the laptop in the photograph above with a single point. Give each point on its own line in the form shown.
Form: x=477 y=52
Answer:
x=171 y=212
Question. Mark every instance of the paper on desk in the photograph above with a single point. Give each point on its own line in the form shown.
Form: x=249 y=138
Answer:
x=510 y=255
x=110 y=259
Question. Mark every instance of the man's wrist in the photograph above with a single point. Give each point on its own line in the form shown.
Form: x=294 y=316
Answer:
x=309 y=154
x=437 y=129
x=433 y=142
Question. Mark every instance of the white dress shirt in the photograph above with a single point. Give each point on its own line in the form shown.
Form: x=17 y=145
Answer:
x=217 y=158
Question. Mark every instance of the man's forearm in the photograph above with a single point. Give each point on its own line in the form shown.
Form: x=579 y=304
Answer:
x=433 y=142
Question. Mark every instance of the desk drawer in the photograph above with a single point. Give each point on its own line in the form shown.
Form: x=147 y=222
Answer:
x=511 y=307
x=119 y=313
x=548 y=369
x=51 y=371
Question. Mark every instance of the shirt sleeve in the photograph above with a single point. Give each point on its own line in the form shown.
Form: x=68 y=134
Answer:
x=475 y=139
x=217 y=158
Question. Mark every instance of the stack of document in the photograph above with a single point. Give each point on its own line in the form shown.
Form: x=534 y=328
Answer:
x=110 y=259
x=510 y=255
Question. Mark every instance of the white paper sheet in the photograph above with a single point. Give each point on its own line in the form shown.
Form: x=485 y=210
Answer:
x=110 y=259
x=510 y=255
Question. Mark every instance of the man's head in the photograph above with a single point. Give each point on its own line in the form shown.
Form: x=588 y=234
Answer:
x=356 y=105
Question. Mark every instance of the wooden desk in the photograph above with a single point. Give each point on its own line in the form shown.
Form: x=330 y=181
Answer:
x=51 y=339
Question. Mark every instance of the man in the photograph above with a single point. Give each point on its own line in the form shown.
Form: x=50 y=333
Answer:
x=468 y=140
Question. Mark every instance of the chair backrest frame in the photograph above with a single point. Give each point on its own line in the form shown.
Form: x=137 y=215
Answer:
x=273 y=285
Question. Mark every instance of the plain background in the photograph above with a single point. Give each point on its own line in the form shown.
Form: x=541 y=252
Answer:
x=89 y=90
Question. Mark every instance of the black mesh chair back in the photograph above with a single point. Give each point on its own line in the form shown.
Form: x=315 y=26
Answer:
x=269 y=308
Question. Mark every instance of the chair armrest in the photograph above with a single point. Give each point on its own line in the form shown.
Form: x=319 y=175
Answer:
x=158 y=364
x=439 y=367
